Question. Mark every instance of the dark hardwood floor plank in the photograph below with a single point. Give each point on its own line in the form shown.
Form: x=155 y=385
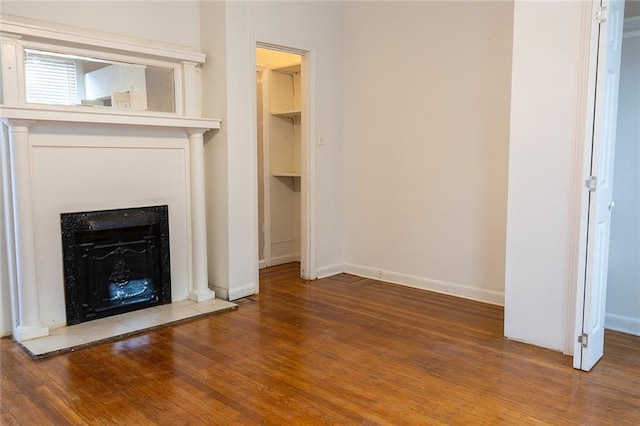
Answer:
x=341 y=350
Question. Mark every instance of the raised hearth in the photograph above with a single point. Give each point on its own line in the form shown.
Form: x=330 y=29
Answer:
x=64 y=339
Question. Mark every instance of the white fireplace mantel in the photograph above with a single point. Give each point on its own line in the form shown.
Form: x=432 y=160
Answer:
x=19 y=120
x=44 y=147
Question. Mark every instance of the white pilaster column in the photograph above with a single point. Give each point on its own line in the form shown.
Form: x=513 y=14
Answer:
x=30 y=326
x=201 y=291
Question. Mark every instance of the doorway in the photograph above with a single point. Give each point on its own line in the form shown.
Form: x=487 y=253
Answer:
x=282 y=169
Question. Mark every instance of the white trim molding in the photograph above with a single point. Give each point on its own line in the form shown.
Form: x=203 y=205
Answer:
x=329 y=270
x=104 y=116
x=242 y=291
x=423 y=283
x=622 y=324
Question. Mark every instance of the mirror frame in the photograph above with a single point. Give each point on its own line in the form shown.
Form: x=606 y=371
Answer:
x=17 y=33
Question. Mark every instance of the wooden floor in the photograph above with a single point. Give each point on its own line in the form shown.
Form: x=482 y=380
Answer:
x=341 y=350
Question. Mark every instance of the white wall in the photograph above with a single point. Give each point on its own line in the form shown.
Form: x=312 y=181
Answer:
x=623 y=288
x=309 y=25
x=426 y=97
x=214 y=104
x=544 y=154
x=173 y=22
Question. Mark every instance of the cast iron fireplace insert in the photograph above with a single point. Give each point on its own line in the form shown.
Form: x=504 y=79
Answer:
x=115 y=261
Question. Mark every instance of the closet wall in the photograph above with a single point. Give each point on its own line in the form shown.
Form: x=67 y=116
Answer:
x=279 y=139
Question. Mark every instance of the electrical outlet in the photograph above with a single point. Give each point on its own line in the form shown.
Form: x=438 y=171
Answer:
x=320 y=140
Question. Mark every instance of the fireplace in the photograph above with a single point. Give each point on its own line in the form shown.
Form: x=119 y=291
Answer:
x=115 y=261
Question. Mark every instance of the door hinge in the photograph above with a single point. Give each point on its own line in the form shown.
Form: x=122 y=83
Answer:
x=583 y=339
x=590 y=183
x=601 y=15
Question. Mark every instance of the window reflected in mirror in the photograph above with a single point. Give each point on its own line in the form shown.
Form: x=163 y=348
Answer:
x=62 y=79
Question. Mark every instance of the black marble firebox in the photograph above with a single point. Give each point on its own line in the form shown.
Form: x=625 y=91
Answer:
x=115 y=261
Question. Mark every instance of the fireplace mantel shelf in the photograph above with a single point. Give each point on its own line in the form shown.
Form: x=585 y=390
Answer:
x=93 y=115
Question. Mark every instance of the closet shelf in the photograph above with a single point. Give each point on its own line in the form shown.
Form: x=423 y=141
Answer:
x=286 y=174
x=288 y=69
x=289 y=114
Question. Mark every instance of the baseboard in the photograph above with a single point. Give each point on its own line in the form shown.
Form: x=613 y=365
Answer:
x=262 y=264
x=327 y=271
x=622 y=324
x=242 y=291
x=284 y=259
x=453 y=289
x=221 y=293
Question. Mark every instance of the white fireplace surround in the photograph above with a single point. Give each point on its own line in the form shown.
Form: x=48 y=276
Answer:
x=70 y=159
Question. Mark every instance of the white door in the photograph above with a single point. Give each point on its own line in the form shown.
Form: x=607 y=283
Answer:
x=591 y=348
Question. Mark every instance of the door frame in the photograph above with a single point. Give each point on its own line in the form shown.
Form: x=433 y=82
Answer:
x=307 y=151
x=266 y=158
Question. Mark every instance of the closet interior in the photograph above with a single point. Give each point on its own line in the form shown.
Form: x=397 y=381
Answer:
x=279 y=138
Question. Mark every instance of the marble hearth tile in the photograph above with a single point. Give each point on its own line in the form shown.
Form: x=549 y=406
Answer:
x=176 y=313
x=104 y=330
x=73 y=337
x=142 y=321
x=53 y=343
x=82 y=328
x=210 y=305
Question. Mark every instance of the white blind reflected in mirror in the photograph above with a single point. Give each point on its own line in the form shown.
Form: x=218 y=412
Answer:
x=50 y=78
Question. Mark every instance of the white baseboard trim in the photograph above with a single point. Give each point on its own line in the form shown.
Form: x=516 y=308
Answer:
x=221 y=293
x=262 y=264
x=453 y=289
x=242 y=291
x=622 y=324
x=327 y=271
x=284 y=259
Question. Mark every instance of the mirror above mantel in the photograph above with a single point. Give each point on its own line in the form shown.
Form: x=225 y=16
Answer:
x=64 y=79
x=48 y=66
